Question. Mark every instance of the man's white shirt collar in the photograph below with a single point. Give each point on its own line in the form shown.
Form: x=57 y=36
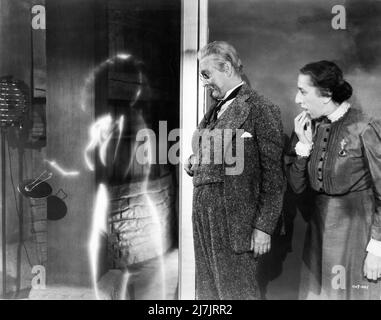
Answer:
x=232 y=89
x=228 y=103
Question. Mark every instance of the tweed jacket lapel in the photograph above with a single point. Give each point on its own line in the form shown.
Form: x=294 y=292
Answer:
x=237 y=113
x=376 y=124
x=233 y=117
x=202 y=124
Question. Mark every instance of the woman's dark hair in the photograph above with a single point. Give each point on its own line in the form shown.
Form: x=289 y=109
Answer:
x=328 y=78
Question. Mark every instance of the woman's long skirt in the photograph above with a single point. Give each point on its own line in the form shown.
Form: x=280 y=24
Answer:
x=335 y=248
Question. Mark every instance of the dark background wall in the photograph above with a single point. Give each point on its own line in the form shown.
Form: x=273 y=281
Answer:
x=275 y=38
x=71 y=55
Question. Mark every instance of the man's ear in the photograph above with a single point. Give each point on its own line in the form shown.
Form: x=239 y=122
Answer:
x=228 y=68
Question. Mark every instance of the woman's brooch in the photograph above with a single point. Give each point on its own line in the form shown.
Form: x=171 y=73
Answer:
x=343 y=152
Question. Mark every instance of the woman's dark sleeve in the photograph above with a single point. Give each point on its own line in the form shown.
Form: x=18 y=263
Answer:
x=295 y=167
x=371 y=138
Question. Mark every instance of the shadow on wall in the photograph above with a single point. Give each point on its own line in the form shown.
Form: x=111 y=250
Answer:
x=285 y=256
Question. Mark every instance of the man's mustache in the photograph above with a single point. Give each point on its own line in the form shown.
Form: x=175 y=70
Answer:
x=211 y=88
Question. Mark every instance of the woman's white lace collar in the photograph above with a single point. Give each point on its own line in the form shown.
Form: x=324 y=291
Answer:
x=339 y=112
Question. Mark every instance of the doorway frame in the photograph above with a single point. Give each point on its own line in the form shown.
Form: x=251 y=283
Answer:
x=194 y=35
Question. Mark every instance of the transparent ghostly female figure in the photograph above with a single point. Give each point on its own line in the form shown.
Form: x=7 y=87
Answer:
x=133 y=212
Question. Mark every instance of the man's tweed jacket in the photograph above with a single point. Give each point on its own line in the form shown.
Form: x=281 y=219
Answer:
x=253 y=199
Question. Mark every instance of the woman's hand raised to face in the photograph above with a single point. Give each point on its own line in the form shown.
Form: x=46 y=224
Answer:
x=303 y=127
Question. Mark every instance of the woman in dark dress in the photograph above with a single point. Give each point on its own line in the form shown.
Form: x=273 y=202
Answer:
x=335 y=156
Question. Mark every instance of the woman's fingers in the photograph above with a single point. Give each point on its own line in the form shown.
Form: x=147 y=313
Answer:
x=308 y=131
x=301 y=118
x=300 y=115
x=300 y=125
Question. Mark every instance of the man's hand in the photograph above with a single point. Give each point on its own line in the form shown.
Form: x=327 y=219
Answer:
x=372 y=267
x=260 y=242
x=188 y=166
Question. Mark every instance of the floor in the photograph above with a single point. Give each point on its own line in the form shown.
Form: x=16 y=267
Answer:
x=145 y=281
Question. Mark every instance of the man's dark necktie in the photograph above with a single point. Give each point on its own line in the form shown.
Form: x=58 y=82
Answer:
x=216 y=109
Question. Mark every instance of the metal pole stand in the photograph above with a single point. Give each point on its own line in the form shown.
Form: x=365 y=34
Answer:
x=3 y=215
